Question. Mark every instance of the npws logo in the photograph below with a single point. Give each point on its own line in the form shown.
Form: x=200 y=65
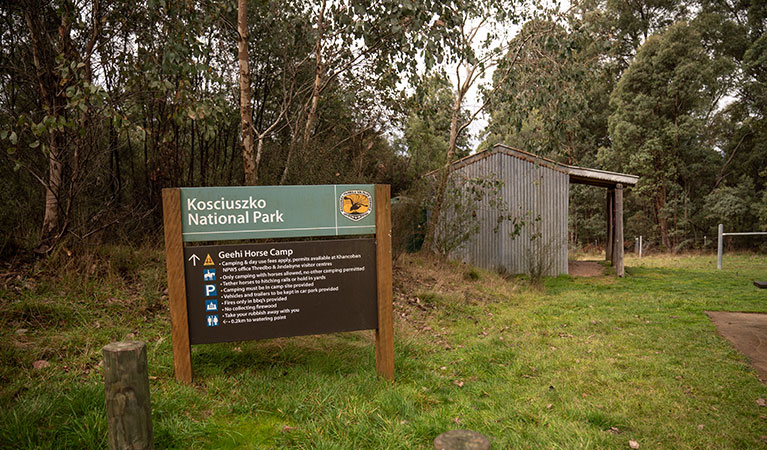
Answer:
x=355 y=205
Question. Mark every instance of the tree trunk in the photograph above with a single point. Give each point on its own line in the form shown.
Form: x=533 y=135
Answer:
x=259 y=148
x=146 y=159
x=52 y=191
x=117 y=176
x=311 y=118
x=249 y=164
x=444 y=174
x=43 y=54
x=660 y=203
x=284 y=176
x=302 y=139
x=190 y=173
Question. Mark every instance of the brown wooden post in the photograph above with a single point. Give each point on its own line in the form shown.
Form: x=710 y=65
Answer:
x=618 y=247
x=174 y=262
x=385 y=330
x=126 y=385
x=609 y=220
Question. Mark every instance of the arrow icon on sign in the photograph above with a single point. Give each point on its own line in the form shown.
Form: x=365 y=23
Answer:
x=194 y=258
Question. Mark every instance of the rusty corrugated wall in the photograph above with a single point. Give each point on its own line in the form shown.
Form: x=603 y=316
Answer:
x=535 y=193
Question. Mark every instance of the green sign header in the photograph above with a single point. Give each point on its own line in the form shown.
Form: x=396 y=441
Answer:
x=257 y=212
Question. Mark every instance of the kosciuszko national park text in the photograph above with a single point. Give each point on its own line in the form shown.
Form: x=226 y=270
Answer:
x=231 y=211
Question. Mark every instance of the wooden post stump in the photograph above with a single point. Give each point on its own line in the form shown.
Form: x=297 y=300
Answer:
x=461 y=440
x=126 y=382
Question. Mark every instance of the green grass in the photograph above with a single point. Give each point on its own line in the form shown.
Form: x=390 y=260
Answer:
x=583 y=363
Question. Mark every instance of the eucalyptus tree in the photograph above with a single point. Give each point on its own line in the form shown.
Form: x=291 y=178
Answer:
x=556 y=101
x=738 y=31
x=105 y=79
x=662 y=106
x=477 y=40
x=277 y=29
x=298 y=51
x=51 y=134
x=630 y=24
x=354 y=40
x=427 y=126
x=553 y=100
x=175 y=87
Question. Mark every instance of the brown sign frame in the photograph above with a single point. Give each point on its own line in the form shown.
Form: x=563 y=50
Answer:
x=177 y=295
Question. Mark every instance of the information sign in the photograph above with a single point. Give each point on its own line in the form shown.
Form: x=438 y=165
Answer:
x=244 y=291
x=256 y=291
x=228 y=213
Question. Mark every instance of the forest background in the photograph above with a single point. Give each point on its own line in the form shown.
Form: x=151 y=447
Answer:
x=105 y=103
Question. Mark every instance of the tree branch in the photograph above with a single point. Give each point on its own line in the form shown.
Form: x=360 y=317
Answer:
x=732 y=155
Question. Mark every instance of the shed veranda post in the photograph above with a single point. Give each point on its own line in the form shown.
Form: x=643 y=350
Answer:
x=610 y=219
x=256 y=290
x=618 y=247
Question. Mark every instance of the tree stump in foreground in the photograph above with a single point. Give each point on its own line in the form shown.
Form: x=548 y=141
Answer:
x=126 y=382
x=461 y=440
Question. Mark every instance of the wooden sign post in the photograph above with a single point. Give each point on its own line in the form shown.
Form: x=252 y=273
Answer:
x=174 y=263
x=245 y=291
x=385 y=330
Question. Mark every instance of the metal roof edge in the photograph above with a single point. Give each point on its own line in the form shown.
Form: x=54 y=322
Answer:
x=458 y=163
x=599 y=176
x=583 y=175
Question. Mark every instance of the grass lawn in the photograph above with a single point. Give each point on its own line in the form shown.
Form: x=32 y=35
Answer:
x=581 y=363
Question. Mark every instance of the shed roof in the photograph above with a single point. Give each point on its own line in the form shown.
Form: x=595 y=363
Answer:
x=579 y=175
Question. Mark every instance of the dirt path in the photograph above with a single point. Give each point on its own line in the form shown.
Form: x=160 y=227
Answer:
x=585 y=268
x=748 y=333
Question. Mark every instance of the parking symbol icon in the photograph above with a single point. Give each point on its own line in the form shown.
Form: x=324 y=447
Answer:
x=210 y=290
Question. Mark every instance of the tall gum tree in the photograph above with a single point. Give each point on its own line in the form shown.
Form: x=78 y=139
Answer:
x=661 y=107
x=427 y=127
x=62 y=36
x=348 y=40
x=351 y=37
x=480 y=43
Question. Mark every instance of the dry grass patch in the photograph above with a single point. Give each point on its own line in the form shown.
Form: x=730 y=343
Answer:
x=423 y=284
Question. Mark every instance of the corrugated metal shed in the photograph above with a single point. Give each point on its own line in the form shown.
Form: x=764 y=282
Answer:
x=535 y=191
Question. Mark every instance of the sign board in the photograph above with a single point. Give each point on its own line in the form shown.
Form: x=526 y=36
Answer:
x=222 y=213
x=243 y=291
x=256 y=291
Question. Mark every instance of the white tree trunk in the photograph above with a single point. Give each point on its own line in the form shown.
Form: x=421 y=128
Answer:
x=249 y=162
